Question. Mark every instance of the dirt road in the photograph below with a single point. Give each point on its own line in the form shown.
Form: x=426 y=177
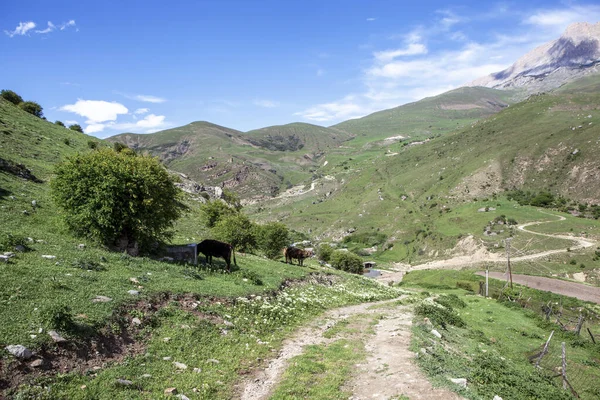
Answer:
x=388 y=372
x=479 y=259
x=572 y=289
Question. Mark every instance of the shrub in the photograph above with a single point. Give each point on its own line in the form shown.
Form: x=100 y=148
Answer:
x=440 y=316
x=465 y=285
x=118 y=199
x=324 y=252
x=59 y=123
x=66 y=141
x=213 y=211
x=236 y=230
x=119 y=147
x=76 y=128
x=59 y=317
x=11 y=96
x=92 y=144
x=8 y=241
x=450 y=301
x=32 y=108
x=273 y=237
x=346 y=261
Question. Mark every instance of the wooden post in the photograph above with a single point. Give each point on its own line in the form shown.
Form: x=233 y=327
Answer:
x=564 y=366
x=487 y=274
x=545 y=350
x=507 y=245
x=591 y=335
x=579 y=324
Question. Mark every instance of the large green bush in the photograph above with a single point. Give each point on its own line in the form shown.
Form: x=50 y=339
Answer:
x=237 y=230
x=347 y=261
x=272 y=238
x=324 y=252
x=32 y=108
x=11 y=96
x=213 y=211
x=119 y=199
x=76 y=128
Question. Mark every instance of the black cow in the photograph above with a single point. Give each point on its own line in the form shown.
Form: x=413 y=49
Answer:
x=211 y=247
x=292 y=252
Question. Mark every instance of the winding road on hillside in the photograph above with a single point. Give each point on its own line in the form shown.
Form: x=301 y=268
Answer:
x=573 y=289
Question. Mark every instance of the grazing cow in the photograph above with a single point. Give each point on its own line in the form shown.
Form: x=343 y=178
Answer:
x=210 y=248
x=292 y=252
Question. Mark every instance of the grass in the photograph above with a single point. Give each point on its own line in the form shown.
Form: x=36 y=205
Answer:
x=492 y=350
x=322 y=370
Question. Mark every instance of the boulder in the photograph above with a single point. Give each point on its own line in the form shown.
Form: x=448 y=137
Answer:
x=19 y=351
x=459 y=381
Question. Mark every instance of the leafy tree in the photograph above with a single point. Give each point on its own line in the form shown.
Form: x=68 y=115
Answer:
x=76 y=128
x=118 y=147
x=32 y=108
x=347 y=261
x=59 y=123
x=11 y=96
x=119 y=199
x=324 y=252
x=213 y=211
x=238 y=230
x=92 y=144
x=232 y=199
x=273 y=237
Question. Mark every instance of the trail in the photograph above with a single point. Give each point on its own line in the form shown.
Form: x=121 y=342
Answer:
x=462 y=261
x=388 y=372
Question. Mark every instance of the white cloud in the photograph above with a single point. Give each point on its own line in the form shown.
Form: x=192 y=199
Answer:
x=94 y=128
x=151 y=121
x=411 y=50
x=320 y=72
x=49 y=29
x=141 y=111
x=21 y=29
x=67 y=24
x=371 y=19
x=96 y=110
x=265 y=103
x=346 y=108
x=71 y=122
x=149 y=99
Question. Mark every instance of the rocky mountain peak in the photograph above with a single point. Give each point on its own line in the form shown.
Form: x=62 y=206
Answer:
x=575 y=54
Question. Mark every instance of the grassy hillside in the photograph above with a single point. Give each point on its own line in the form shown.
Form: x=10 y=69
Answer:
x=431 y=116
x=547 y=142
x=254 y=164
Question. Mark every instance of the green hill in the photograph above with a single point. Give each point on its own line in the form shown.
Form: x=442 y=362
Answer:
x=297 y=136
x=431 y=116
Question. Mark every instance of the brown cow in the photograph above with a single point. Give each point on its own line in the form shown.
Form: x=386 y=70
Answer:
x=211 y=247
x=292 y=252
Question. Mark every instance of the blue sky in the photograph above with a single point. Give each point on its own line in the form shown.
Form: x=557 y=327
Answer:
x=135 y=66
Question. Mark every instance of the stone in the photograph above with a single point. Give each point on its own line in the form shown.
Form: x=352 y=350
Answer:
x=179 y=365
x=136 y=321
x=48 y=257
x=212 y=360
x=9 y=254
x=459 y=381
x=166 y=339
x=133 y=292
x=170 y=391
x=39 y=363
x=496 y=397
x=81 y=246
x=19 y=351
x=182 y=397
x=167 y=358
x=20 y=248
x=124 y=382
x=25 y=212
x=197 y=370
x=56 y=337
x=134 y=280
x=146 y=376
x=4 y=259
x=101 y=299
x=436 y=334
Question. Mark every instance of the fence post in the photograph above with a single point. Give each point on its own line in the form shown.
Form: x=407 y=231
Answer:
x=591 y=335
x=579 y=324
x=537 y=364
x=564 y=366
